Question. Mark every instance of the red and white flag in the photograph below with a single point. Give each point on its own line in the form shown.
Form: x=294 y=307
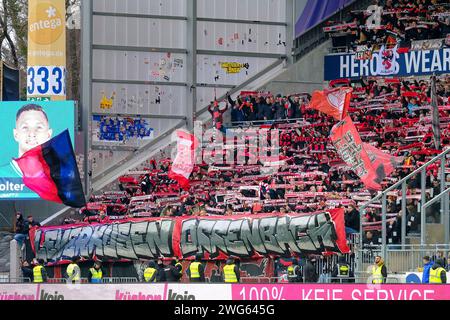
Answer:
x=183 y=165
x=334 y=102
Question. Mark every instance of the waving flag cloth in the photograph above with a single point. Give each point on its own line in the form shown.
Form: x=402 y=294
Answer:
x=334 y=102
x=51 y=171
x=352 y=151
x=183 y=165
x=435 y=119
x=383 y=163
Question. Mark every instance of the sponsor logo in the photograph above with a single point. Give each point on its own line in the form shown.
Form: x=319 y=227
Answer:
x=172 y=295
x=337 y=99
x=46 y=24
x=9 y=186
x=136 y=296
x=51 y=296
x=16 y=296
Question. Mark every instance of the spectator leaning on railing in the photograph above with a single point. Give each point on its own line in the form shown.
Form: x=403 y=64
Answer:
x=21 y=234
x=23 y=228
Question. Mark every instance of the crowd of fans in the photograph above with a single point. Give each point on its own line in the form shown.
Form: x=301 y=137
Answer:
x=122 y=129
x=399 y=23
x=391 y=114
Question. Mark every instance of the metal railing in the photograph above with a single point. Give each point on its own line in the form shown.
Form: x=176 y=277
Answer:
x=15 y=280
x=56 y=280
x=120 y=280
x=409 y=259
x=443 y=195
x=250 y=123
x=403 y=183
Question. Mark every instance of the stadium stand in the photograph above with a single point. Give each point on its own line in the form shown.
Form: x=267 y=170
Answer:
x=392 y=114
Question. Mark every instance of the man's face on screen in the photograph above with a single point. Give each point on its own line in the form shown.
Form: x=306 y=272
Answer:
x=32 y=129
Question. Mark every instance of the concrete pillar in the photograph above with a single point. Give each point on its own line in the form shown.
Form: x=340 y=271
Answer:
x=14 y=260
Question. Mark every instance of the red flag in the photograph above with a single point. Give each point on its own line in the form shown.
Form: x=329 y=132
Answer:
x=337 y=215
x=334 y=102
x=350 y=148
x=183 y=165
x=383 y=163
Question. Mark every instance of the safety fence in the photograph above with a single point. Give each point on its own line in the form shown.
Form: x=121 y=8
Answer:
x=246 y=292
x=7 y=279
x=402 y=260
x=120 y=280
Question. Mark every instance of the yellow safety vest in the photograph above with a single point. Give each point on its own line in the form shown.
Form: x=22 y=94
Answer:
x=195 y=274
x=148 y=274
x=376 y=275
x=70 y=270
x=96 y=274
x=344 y=270
x=230 y=275
x=37 y=274
x=435 y=275
x=179 y=264
x=291 y=271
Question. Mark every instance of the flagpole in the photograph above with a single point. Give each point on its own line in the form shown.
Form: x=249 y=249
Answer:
x=435 y=117
x=86 y=90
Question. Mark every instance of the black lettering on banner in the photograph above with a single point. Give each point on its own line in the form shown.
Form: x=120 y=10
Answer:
x=284 y=237
x=95 y=244
x=218 y=234
x=123 y=243
x=109 y=242
x=188 y=241
x=232 y=240
x=139 y=239
x=204 y=235
x=267 y=228
x=252 y=237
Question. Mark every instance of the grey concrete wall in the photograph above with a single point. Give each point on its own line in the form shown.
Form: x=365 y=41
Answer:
x=306 y=75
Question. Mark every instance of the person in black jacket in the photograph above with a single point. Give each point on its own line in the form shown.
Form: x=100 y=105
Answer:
x=171 y=272
x=21 y=234
x=160 y=274
x=310 y=272
x=27 y=271
x=352 y=220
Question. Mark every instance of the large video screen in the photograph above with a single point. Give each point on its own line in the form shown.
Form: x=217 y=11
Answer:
x=25 y=125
